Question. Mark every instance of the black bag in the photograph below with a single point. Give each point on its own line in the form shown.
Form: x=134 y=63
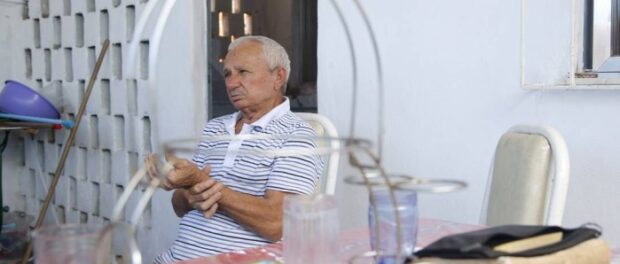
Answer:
x=480 y=244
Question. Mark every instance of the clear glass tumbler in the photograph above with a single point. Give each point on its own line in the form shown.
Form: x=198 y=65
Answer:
x=68 y=243
x=408 y=213
x=311 y=229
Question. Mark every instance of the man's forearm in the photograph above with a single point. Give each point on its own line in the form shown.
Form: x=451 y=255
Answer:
x=261 y=214
x=179 y=203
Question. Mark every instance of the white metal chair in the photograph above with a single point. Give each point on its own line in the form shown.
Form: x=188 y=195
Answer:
x=325 y=128
x=529 y=178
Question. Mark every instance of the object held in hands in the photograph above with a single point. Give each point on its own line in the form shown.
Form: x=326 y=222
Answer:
x=175 y=173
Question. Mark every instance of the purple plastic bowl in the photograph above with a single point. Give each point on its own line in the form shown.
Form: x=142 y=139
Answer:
x=19 y=99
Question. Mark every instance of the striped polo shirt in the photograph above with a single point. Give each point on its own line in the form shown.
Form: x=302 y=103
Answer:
x=238 y=167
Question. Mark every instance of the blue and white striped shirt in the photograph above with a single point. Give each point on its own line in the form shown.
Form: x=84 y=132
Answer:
x=248 y=173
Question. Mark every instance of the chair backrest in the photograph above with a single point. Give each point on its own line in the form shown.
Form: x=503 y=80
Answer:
x=326 y=129
x=528 y=178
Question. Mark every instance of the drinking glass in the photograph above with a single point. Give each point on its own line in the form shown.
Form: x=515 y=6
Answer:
x=311 y=229
x=408 y=215
x=66 y=244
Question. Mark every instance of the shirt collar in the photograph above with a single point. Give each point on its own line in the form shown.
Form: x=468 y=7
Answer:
x=261 y=123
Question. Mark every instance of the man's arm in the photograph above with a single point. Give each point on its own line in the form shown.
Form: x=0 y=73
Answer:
x=261 y=214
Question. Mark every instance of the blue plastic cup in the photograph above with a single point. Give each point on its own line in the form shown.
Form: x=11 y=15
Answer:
x=408 y=213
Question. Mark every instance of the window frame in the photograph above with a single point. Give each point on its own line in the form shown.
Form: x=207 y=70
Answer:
x=594 y=66
x=601 y=41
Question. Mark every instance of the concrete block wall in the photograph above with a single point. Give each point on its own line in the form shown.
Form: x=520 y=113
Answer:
x=58 y=57
x=54 y=47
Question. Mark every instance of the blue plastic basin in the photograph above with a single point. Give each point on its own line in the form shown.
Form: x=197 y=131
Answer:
x=17 y=98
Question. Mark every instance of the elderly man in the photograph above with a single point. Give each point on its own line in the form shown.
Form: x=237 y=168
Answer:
x=237 y=202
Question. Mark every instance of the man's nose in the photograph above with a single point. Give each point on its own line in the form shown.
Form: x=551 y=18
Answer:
x=232 y=80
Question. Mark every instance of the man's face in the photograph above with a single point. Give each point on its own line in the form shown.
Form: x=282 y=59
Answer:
x=249 y=81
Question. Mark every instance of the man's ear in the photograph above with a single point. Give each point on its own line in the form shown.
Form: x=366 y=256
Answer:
x=280 y=75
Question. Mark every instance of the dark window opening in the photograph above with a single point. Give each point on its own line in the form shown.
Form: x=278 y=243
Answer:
x=601 y=38
x=587 y=34
x=615 y=28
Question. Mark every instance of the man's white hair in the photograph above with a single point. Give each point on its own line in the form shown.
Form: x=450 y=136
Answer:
x=274 y=53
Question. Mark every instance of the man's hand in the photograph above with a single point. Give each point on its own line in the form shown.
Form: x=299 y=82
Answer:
x=204 y=196
x=184 y=174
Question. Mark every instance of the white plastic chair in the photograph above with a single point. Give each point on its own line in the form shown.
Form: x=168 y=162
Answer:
x=325 y=128
x=529 y=178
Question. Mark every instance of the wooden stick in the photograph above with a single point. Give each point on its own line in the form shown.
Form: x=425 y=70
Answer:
x=67 y=147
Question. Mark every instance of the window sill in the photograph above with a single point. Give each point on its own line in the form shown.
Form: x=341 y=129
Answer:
x=603 y=81
x=577 y=87
x=585 y=82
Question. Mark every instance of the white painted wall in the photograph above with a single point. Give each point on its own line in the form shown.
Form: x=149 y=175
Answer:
x=453 y=86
